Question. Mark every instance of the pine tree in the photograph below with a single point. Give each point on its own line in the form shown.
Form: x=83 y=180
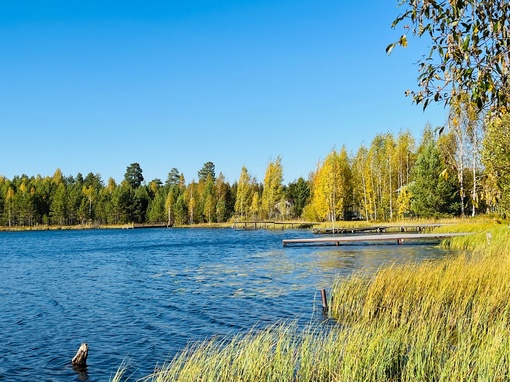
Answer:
x=134 y=175
x=433 y=194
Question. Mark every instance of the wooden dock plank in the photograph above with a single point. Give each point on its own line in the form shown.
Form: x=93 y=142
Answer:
x=265 y=224
x=397 y=238
x=377 y=228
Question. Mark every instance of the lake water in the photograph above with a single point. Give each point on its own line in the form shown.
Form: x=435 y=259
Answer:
x=142 y=295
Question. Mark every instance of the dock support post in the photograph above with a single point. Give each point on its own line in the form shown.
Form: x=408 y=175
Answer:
x=325 y=307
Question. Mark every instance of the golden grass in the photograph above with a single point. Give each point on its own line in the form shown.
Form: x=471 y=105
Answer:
x=442 y=320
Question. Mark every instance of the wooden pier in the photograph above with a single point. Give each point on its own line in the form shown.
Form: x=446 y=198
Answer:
x=145 y=225
x=378 y=229
x=396 y=238
x=262 y=224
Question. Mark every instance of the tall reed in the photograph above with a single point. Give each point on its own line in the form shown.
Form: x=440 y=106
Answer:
x=446 y=320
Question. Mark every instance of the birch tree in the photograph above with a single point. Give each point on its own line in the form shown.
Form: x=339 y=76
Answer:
x=361 y=185
x=273 y=189
x=332 y=188
x=244 y=194
x=469 y=50
x=496 y=160
x=460 y=150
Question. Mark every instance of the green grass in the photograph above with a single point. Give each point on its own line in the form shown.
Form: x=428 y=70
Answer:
x=442 y=320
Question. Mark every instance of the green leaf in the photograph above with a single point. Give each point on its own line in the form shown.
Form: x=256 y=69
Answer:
x=465 y=45
x=389 y=48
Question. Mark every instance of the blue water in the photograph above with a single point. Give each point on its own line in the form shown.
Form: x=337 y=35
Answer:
x=141 y=296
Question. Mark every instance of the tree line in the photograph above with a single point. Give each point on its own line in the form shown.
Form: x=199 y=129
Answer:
x=463 y=171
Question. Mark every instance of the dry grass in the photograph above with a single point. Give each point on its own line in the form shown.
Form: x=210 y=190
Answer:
x=445 y=320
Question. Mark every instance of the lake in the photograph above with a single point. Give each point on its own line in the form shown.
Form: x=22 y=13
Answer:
x=142 y=295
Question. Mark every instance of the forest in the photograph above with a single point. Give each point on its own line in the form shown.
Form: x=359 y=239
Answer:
x=462 y=169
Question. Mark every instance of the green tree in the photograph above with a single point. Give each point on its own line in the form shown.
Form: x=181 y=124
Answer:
x=105 y=212
x=181 y=210
x=496 y=160
x=9 y=202
x=123 y=204
x=433 y=193
x=154 y=186
x=298 y=192
x=469 y=53
x=90 y=195
x=223 y=199
x=134 y=175
x=156 y=212
x=169 y=205
x=93 y=180
x=172 y=178
x=24 y=203
x=208 y=169
x=208 y=198
x=141 y=204
x=3 y=192
x=44 y=195
x=77 y=211
x=59 y=205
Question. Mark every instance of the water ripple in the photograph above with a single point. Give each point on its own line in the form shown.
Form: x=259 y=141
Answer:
x=143 y=295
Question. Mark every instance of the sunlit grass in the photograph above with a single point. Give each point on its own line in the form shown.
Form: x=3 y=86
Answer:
x=441 y=320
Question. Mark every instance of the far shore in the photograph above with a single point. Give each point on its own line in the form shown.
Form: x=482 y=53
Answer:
x=230 y=224
x=48 y=227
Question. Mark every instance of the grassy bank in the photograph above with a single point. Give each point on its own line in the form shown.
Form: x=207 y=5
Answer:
x=46 y=227
x=434 y=321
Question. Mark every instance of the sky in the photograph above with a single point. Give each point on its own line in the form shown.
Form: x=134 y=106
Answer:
x=93 y=86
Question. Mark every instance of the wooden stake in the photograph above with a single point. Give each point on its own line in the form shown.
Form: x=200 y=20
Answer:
x=324 y=301
x=80 y=359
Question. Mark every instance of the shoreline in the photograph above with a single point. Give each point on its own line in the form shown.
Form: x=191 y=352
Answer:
x=103 y=226
x=230 y=224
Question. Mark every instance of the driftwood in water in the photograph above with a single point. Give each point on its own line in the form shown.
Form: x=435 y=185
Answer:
x=80 y=359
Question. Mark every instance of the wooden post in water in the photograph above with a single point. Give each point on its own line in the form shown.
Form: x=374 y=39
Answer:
x=80 y=359
x=325 y=307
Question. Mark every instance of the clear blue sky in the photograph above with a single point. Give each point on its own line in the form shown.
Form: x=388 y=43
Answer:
x=92 y=86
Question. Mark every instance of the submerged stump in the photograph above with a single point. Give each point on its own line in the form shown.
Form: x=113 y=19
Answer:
x=80 y=359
